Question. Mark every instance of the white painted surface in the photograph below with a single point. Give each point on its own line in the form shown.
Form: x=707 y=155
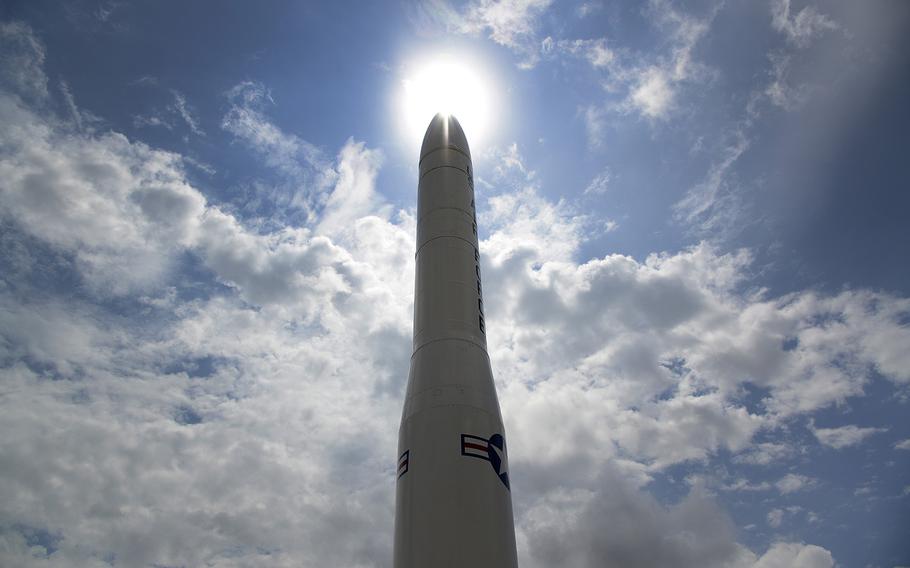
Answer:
x=453 y=508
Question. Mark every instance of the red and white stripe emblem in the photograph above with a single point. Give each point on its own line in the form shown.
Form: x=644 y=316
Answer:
x=475 y=446
x=403 y=463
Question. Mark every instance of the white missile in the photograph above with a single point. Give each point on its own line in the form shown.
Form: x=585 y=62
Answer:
x=453 y=502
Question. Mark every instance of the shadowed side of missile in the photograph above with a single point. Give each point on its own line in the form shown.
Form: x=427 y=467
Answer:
x=453 y=501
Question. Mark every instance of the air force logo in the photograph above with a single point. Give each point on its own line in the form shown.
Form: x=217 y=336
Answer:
x=492 y=450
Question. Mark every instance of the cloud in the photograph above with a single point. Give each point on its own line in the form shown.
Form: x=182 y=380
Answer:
x=579 y=529
x=510 y=23
x=795 y=555
x=122 y=209
x=22 y=61
x=244 y=412
x=649 y=85
x=161 y=438
x=801 y=29
x=594 y=51
x=714 y=206
x=765 y=453
x=307 y=171
x=652 y=95
x=779 y=92
x=793 y=482
x=575 y=529
x=653 y=87
x=595 y=125
x=354 y=195
x=903 y=445
x=182 y=108
x=743 y=484
x=775 y=517
x=844 y=436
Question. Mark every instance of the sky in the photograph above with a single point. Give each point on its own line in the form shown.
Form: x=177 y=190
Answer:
x=693 y=241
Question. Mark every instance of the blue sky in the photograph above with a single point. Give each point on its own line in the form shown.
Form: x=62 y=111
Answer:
x=693 y=242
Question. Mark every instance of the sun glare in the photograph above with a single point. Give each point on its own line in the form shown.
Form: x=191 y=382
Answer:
x=449 y=85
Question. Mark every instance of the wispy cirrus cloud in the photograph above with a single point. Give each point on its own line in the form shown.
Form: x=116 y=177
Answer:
x=803 y=27
x=510 y=23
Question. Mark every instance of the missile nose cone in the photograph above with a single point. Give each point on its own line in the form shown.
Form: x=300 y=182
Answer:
x=444 y=132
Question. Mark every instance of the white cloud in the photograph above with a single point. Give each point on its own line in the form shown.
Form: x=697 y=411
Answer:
x=843 y=436
x=795 y=555
x=510 y=23
x=21 y=61
x=594 y=51
x=353 y=195
x=714 y=205
x=903 y=445
x=600 y=183
x=121 y=208
x=595 y=125
x=309 y=173
x=743 y=484
x=765 y=453
x=804 y=27
x=775 y=517
x=779 y=91
x=246 y=424
x=652 y=95
x=793 y=482
x=653 y=87
x=585 y=9
x=182 y=108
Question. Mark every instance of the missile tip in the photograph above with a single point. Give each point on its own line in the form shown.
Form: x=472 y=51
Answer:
x=444 y=131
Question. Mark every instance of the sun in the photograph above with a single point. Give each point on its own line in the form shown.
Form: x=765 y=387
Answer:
x=447 y=84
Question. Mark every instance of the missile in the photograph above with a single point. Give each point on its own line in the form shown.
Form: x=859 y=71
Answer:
x=453 y=505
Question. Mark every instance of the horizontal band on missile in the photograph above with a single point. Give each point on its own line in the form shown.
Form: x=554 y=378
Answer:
x=443 y=237
x=446 y=147
x=411 y=416
x=451 y=338
x=469 y=215
x=424 y=174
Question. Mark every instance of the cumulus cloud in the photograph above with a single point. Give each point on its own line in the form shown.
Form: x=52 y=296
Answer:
x=123 y=219
x=775 y=517
x=795 y=555
x=161 y=439
x=793 y=482
x=253 y=421
x=844 y=436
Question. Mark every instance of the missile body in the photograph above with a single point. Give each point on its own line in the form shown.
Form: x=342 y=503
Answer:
x=453 y=501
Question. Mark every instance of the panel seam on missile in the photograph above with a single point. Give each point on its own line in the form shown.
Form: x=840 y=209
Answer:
x=433 y=169
x=468 y=215
x=447 y=147
x=453 y=338
x=442 y=237
x=410 y=417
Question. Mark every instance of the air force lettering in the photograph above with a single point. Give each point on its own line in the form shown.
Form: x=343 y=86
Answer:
x=453 y=506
